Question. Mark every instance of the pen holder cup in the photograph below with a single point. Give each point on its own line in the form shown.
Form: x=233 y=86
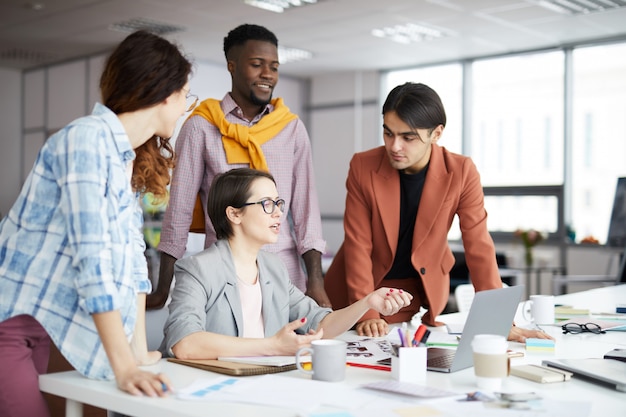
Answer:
x=409 y=365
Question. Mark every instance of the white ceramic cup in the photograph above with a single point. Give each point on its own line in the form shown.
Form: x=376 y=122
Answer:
x=491 y=362
x=328 y=357
x=539 y=309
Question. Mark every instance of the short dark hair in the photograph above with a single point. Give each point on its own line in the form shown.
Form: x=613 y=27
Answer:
x=231 y=188
x=246 y=32
x=417 y=105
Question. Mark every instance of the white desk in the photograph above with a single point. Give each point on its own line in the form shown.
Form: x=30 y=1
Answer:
x=605 y=402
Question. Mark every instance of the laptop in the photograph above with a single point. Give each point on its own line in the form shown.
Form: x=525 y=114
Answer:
x=492 y=312
x=608 y=372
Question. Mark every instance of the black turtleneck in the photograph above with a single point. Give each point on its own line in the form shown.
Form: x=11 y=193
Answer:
x=411 y=186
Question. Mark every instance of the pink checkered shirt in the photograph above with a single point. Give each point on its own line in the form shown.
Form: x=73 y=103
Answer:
x=200 y=156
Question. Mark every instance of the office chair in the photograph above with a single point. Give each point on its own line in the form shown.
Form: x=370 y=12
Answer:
x=560 y=282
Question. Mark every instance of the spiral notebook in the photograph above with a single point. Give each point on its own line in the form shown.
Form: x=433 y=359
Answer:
x=232 y=368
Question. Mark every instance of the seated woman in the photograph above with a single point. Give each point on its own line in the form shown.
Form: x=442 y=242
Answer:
x=233 y=299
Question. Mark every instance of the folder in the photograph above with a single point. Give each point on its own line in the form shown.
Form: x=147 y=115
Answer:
x=232 y=368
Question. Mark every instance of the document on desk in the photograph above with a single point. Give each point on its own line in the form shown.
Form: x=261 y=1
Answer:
x=308 y=397
x=369 y=350
x=278 y=391
x=265 y=360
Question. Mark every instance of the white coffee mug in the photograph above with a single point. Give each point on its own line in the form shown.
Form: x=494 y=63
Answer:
x=491 y=362
x=328 y=357
x=539 y=309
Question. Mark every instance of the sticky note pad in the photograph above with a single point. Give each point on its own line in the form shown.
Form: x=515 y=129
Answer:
x=540 y=345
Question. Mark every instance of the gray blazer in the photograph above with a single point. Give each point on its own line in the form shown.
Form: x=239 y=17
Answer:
x=206 y=297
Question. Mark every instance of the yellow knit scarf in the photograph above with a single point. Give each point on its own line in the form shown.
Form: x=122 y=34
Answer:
x=242 y=144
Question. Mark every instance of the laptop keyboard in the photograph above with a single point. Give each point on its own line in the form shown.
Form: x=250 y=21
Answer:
x=443 y=361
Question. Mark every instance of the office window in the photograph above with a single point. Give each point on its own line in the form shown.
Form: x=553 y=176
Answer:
x=447 y=81
x=517 y=136
x=598 y=136
x=517 y=119
x=509 y=213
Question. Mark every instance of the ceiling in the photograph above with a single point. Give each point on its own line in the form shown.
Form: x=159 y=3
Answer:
x=337 y=32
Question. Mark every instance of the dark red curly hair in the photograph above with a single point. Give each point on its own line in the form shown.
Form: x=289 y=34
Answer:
x=143 y=71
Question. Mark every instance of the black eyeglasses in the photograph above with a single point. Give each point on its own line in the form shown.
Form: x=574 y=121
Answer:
x=192 y=101
x=576 y=328
x=269 y=205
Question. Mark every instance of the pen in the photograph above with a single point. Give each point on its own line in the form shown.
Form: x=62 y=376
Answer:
x=403 y=342
x=419 y=334
x=368 y=366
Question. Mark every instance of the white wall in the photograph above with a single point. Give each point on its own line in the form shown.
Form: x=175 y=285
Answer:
x=344 y=119
x=10 y=136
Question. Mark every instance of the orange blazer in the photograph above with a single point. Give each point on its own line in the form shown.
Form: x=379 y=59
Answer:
x=372 y=222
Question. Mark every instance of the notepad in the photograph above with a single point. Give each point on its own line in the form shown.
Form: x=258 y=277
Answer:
x=570 y=311
x=232 y=368
x=540 y=345
x=541 y=374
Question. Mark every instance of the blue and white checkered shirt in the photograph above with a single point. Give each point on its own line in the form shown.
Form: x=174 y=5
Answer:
x=72 y=243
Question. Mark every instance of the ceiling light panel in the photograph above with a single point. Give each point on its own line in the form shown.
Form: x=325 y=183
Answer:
x=278 y=6
x=409 y=33
x=292 y=55
x=149 y=25
x=577 y=7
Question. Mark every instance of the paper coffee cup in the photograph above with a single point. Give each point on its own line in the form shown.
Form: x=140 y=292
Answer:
x=491 y=362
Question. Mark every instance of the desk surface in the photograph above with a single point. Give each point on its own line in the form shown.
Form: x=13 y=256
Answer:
x=605 y=402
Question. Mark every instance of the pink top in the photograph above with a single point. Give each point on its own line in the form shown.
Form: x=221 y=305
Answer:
x=252 y=308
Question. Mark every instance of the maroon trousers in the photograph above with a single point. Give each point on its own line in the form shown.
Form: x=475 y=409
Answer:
x=24 y=353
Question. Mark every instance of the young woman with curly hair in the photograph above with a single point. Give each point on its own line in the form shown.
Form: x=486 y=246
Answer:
x=72 y=268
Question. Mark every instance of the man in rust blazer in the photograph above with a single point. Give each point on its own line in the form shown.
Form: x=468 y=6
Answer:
x=401 y=200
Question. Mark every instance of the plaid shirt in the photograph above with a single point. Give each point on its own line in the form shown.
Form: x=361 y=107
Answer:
x=71 y=245
x=200 y=156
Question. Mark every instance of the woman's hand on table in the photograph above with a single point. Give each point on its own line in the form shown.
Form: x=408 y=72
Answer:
x=372 y=328
x=518 y=334
x=139 y=382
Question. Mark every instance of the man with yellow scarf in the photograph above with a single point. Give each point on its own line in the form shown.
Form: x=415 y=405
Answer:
x=247 y=128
